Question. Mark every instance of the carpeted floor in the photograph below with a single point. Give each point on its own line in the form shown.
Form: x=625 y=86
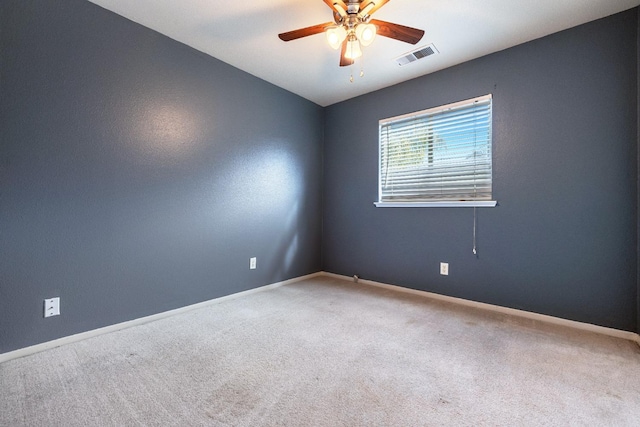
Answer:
x=326 y=352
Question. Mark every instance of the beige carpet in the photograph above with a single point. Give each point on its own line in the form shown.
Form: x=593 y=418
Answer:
x=326 y=352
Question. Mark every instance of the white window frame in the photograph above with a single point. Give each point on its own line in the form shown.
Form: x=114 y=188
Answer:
x=431 y=201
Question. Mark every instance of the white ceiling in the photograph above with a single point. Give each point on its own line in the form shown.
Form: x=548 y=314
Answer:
x=244 y=34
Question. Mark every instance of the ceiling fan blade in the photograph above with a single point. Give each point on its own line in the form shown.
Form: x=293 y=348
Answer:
x=398 y=32
x=304 y=32
x=377 y=4
x=344 y=61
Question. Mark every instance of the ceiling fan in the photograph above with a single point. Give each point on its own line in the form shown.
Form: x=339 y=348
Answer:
x=353 y=27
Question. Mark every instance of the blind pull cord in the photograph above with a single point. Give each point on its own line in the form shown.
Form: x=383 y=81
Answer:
x=475 y=252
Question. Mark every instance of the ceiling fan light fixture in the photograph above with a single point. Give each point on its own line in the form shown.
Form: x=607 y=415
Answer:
x=353 y=50
x=366 y=33
x=335 y=36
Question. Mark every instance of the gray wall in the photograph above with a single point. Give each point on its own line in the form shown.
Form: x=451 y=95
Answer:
x=138 y=175
x=563 y=239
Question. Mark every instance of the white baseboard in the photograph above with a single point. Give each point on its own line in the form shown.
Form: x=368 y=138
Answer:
x=631 y=336
x=483 y=306
x=140 y=321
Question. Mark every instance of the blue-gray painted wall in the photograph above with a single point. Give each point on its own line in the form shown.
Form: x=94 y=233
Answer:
x=563 y=239
x=138 y=175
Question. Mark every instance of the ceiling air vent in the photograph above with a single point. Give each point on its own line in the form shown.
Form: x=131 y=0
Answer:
x=422 y=52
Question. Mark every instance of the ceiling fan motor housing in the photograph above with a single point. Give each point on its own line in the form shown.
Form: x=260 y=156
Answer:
x=353 y=7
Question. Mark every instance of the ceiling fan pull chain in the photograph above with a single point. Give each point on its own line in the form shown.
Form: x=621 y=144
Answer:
x=353 y=61
x=362 y=66
x=351 y=71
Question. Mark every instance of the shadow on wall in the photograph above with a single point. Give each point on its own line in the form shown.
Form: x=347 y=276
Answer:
x=265 y=193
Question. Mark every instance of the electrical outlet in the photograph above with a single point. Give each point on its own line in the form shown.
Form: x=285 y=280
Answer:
x=444 y=268
x=252 y=263
x=52 y=307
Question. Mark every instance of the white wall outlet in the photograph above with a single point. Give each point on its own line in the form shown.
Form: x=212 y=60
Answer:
x=444 y=268
x=52 y=307
x=252 y=263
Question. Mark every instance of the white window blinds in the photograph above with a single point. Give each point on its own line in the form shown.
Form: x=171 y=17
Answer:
x=440 y=154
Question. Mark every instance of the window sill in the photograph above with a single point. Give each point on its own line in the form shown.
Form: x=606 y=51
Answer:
x=452 y=204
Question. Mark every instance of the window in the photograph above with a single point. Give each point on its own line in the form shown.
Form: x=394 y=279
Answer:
x=437 y=157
